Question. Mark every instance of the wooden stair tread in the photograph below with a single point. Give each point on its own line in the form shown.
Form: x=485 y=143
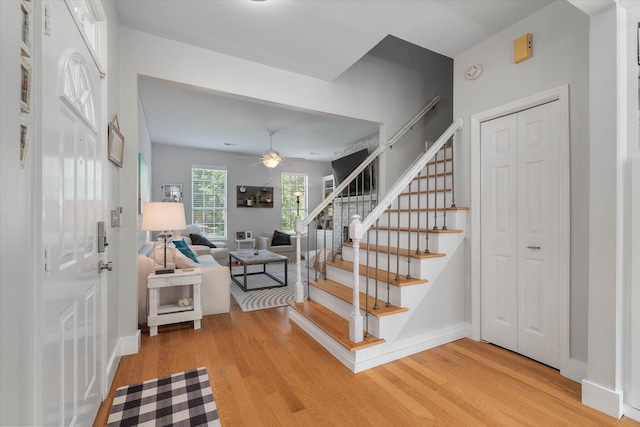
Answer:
x=432 y=175
x=383 y=275
x=439 y=190
x=332 y=324
x=394 y=251
x=439 y=161
x=345 y=293
x=414 y=230
x=457 y=208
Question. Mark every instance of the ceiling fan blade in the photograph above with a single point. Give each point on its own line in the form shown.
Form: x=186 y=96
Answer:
x=255 y=164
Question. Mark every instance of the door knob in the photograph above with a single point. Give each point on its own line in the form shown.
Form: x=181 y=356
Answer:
x=104 y=266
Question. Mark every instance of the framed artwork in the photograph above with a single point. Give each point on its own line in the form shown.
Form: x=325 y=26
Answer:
x=248 y=234
x=116 y=142
x=171 y=192
x=239 y=235
x=25 y=89
x=25 y=37
x=24 y=141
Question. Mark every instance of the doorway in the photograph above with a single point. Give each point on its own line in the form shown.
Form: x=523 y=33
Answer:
x=520 y=228
x=561 y=358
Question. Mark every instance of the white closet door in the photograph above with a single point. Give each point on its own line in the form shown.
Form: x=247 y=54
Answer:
x=520 y=232
x=539 y=234
x=499 y=232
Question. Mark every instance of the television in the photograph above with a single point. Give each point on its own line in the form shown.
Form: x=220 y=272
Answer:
x=343 y=167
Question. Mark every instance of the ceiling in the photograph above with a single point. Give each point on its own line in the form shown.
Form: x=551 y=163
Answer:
x=317 y=38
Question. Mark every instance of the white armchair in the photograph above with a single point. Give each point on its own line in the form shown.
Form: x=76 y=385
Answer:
x=264 y=242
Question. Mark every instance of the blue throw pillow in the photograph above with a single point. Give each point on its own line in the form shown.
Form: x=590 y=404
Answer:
x=182 y=246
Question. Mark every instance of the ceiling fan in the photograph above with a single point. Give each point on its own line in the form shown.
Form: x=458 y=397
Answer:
x=271 y=158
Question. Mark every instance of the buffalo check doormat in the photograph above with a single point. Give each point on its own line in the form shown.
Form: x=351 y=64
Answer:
x=182 y=399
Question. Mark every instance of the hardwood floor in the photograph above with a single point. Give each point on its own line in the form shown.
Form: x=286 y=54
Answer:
x=265 y=371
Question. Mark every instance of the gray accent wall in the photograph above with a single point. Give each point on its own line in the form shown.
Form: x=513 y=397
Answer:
x=173 y=164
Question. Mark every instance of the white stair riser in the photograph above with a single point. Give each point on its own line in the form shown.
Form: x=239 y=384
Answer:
x=391 y=239
x=440 y=198
x=437 y=168
x=346 y=278
x=342 y=308
x=420 y=268
x=434 y=182
x=455 y=219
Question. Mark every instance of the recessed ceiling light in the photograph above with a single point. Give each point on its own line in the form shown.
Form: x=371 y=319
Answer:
x=314 y=154
x=228 y=144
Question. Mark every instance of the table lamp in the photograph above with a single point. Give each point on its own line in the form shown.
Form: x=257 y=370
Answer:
x=163 y=217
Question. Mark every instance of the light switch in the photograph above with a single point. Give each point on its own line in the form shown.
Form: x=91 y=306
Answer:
x=522 y=48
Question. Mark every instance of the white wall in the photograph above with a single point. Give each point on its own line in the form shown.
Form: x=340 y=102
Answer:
x=173 y=164
x=363 y=92
x=560 y=56
x=17 y=317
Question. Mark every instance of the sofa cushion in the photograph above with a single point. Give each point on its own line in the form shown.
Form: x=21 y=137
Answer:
x=182 y=246
x=279 y=238
x=199 y=239
x=175 y=259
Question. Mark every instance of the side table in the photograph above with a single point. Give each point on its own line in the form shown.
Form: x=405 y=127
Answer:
x=245 y=244
x=173 y=313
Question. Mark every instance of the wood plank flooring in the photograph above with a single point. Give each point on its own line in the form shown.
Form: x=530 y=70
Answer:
x=265 y=371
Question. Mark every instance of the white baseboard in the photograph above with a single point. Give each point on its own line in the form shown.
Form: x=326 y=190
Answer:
x=603 y=399
x=576 y=370
x=130 y=345
x=632 y=413
x=412 y=345
x=112 y=366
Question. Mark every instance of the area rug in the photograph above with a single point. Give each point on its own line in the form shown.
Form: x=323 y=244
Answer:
x=182 y=399
x=266 y=298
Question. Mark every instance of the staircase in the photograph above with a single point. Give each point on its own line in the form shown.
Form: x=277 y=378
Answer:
x=396 y=288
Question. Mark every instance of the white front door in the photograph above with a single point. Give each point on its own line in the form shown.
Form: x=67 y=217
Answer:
x=520 y=232
x=73 y=153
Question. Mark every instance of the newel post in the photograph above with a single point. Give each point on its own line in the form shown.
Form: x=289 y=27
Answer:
x=355 y=320
x=299 y=288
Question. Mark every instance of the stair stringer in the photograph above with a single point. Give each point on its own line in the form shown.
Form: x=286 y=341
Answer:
x=434 y=332
x=390 y=327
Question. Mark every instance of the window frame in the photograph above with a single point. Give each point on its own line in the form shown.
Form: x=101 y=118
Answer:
x=224 y=208
x=304 y=200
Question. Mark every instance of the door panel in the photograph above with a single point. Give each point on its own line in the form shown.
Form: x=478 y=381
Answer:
x=520 y=231
x=499 y=232
x=72 y=154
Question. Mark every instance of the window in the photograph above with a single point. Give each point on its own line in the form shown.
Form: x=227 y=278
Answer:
x=292 y=182
x=209 y=201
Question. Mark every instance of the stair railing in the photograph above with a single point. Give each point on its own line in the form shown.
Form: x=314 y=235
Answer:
x=301 y=223
x=359 y=228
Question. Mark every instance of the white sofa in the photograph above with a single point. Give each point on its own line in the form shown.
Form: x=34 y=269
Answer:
x=220 y=253
x=264 y=242
x=214 y=291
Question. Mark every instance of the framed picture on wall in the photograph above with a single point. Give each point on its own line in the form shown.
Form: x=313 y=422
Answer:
x=116 y=143
x=171 y=192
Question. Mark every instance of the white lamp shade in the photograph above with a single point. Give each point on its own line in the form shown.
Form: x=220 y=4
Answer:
x=161 y=216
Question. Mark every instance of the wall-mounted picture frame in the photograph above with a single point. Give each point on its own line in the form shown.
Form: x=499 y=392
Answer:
x=171 y=192
x=25 y=36
x=239 y=235
x=116 y=143
x=248 y=234
x=24 y=141
x=25 y=88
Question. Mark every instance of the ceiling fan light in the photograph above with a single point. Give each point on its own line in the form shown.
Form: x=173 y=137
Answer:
x=270 y=162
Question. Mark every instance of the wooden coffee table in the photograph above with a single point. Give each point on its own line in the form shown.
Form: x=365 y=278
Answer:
x=264 y=257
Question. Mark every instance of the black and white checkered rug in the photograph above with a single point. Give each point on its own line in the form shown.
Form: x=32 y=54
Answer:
x=183 y=399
